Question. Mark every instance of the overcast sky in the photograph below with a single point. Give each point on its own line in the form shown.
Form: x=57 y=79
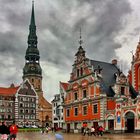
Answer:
x=110 y=29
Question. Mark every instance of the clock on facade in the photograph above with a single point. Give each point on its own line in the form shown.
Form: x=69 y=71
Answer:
x=32 y=68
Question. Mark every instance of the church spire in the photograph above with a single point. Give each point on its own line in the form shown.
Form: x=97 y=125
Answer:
x=32 y=69
x=32 y=38
x=80 y=55
x=80 y=40
x=32 y=53
x=32 y=15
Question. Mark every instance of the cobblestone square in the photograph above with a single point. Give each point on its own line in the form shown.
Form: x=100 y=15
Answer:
x=71 y=136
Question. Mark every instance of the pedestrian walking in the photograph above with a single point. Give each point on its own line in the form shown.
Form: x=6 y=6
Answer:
x=47 y=130
x=52 y=129
x=82 y=130
x=101 y=130
x=43 y=130
x=13 y=131
x=0 y=129
x=86 y=131
x=4 y=131
x=93 y=131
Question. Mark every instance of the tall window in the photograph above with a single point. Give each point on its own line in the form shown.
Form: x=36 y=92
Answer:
x=95 y=108
x=122 y=90
x=21 y=111
x=84 y=93
x=9 y=117
x=77 y=72
x=81 y=71
x=21 y=105
x=75 y=111
x=75 y=96
x=85 y=110
x=139 y=78
x=26 y=111
x=32 y=80
x=68 y=112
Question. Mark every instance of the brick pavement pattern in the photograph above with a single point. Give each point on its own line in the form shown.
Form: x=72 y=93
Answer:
x=51 y=136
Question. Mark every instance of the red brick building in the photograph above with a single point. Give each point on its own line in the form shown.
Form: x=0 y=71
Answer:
x=98 y=93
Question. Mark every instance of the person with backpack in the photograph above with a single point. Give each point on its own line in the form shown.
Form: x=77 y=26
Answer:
x=13 y=131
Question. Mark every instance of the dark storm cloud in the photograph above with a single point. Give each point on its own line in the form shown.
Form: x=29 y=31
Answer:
x=58 y=23
x=99 y=34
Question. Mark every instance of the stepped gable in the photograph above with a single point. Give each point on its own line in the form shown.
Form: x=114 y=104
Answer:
x=65 y=85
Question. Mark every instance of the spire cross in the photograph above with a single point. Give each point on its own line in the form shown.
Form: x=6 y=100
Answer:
x=80 y=41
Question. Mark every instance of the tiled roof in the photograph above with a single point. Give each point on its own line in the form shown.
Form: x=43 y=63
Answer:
x=108 y=75
x=8 y=91
x=109 y=79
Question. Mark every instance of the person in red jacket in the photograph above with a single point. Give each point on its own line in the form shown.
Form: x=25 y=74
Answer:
x=13 y=131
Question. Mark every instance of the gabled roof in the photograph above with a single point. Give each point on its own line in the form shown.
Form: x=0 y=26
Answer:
x=8 y=91
x=108 y=75
x=65 y=85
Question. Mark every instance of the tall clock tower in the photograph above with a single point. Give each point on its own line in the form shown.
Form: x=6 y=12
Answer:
x=32 y=69
x=33 y=72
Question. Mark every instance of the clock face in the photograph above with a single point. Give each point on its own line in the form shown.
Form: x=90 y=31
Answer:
x=32 y=68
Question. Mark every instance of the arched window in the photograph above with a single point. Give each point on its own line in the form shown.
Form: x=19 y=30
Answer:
x=47 y=118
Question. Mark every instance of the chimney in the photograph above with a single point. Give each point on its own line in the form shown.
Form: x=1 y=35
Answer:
x=114 y=61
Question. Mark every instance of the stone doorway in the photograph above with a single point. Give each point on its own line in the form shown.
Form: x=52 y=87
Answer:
x=129 y=122
x=110 y=124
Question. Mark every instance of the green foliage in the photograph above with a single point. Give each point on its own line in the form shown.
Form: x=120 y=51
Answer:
x=29 y=129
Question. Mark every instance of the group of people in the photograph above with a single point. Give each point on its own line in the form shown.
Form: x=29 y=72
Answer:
x=8 y=132
x=47 y=129
x=93 y=131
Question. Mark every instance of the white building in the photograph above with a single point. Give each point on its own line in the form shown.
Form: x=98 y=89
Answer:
x=57 y=107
